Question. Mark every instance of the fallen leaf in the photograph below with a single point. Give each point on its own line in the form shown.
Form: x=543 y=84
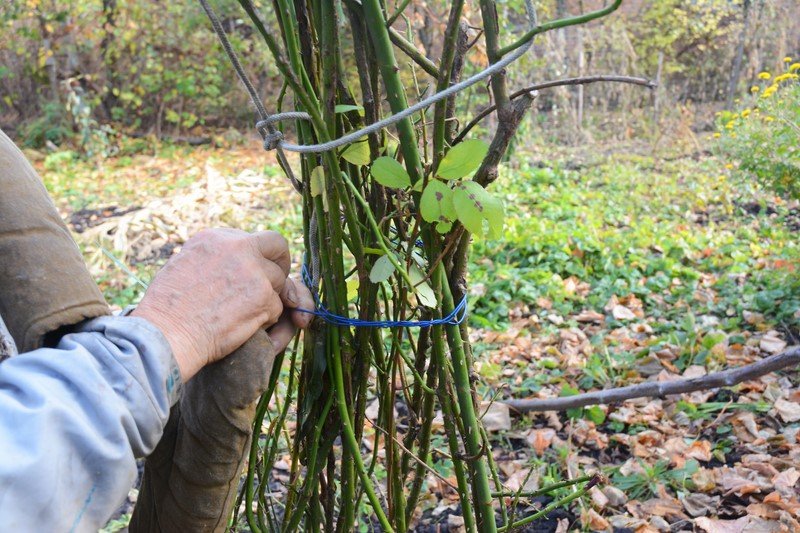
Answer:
x=771 y=342
x=616 y=498
x=788 y=411
x=697 y=504
x=590 y=316
x=455 y=523
x=497 y=416
x=540 y=439
x=753 y=318
x=563 y=526
x=599 y=499
x=620 y=312
x=592 y=520
x=787 y=479
x=700 y=450
x=713 y=525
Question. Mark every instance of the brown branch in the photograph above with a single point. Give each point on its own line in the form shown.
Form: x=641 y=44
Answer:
x=725 y=378
x=506 y=129
x=582 y=80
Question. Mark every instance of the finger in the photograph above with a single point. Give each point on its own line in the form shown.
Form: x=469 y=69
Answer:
x=296 y=294
x=289 y=295
x=282 y=333
x=276 y=276
x=302 y=318
x=274 y=310
x=305 y=302
x=273 y=246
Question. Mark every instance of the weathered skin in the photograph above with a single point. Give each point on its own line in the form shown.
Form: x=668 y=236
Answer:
x=45 y=289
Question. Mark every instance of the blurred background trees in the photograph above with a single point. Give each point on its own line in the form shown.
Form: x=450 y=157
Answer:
x=86 y=70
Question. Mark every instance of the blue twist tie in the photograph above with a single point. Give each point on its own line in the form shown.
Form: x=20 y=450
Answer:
x=456 y=316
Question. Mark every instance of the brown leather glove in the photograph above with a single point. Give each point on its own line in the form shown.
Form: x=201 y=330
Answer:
x=45 y=288
x=190 y=480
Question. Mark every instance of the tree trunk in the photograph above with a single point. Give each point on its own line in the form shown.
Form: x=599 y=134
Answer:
x=736 y=71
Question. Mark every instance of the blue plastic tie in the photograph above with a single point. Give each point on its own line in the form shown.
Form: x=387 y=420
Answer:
x=456 y=316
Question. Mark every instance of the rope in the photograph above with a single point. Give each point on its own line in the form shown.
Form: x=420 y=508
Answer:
x=271 y=135
x=456 y=316
x=273 y=138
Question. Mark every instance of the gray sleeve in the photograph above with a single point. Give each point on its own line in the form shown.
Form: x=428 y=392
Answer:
x=73 y=419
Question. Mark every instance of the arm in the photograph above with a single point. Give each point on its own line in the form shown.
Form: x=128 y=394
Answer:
x=74 y=419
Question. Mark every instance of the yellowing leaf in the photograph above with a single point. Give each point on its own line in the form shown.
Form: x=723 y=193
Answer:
x=318 y=185
x=357 y=153
x=462 y=159
x=346 y=108
x=436 y=204
x=382 y=269
x=317 y=181
x=390 y=173
x=352 y=289
x=474 y=204
x=424 y=292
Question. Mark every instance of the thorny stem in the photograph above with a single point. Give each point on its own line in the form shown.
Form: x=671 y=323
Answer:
x=560 y=23
x=555 y=505
x=350 y=438
x=337 y=360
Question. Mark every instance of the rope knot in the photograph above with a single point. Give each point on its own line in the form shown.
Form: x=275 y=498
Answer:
x=272 y=140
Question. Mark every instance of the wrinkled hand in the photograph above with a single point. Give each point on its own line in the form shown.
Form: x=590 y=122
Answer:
x=222 y=287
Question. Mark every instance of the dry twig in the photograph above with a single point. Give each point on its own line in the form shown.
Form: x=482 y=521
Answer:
x=660 y=389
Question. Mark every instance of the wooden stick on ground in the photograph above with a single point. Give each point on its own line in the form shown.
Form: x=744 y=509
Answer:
x=725 y=378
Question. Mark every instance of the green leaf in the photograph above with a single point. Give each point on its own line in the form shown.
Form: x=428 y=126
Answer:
x=462 y=159
x=425 y=294
x=436 y=204
x=390 y=173
x=469 y=207
x=346 y=108
x=357 y=153
x=473 y=205
x=495 y=215
x=595 y=414
x=444 y=227
x=318 y=185
x=317 y=181
x=352 y=289
x=382 y=269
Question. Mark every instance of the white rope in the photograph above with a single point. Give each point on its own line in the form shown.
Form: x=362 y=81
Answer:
x=273 y=138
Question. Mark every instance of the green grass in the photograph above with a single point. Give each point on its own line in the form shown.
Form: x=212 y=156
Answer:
x=635 y=227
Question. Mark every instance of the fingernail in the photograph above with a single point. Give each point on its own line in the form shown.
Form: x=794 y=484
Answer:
x=291 y=293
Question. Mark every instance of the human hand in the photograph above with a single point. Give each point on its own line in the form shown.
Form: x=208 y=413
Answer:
x=222 y=287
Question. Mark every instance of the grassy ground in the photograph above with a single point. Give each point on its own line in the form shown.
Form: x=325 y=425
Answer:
x=611 y=272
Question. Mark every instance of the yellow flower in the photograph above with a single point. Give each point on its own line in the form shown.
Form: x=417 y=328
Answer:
x=764 y=75
x=754 y=89
x=769 y=119
x=794 y=66
x=745 y=113
x=733 y=135
x=729 y=125
x=787 y=59
x=782 y=77
x=717 y=135
x=729 y=166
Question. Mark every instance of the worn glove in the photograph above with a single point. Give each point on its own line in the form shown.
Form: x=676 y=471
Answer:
x=190 y=480
x=45 y=288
